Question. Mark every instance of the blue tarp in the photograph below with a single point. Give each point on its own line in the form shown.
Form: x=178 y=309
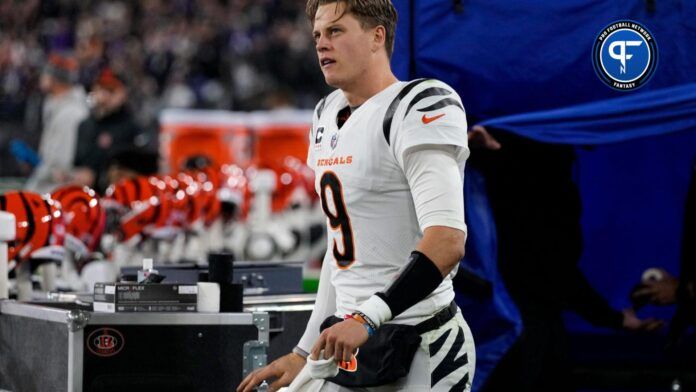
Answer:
x=644 y=113
x=494 y=322
x=510 y=57
x=526 y=67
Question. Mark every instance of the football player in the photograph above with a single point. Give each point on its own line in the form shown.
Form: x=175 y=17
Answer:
x=389 y=158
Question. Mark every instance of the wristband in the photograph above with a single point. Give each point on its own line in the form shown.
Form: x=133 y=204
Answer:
x=362 y=319
x=375 y=310
x=297 y=350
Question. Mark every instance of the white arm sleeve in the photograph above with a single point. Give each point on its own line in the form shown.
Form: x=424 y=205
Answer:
x=324 y=307
x=325 y=304
x=436 y=180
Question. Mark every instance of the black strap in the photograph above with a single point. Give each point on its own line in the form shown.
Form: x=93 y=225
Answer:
x=438 y=320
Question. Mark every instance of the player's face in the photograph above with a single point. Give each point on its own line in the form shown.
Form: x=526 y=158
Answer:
x=343 y=47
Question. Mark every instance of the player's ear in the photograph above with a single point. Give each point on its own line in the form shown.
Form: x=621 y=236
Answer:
x=379 y=38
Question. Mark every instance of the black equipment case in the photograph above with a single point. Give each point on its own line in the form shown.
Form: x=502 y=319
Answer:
x=65 y=347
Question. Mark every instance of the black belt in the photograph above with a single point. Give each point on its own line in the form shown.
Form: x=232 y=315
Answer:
x=438 y=320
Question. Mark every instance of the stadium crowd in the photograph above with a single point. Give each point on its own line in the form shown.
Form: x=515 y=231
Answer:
x=214 y=54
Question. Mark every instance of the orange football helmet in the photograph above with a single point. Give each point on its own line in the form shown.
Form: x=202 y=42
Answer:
x=39 y=226
x=137 y=204
x=84 y=217
x=208 y=180
x=294 y=184
x=234 y=192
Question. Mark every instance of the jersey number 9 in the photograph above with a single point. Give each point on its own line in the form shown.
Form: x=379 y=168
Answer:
x=338 y=219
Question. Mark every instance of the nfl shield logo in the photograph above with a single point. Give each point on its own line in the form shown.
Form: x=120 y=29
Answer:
x=334 y=140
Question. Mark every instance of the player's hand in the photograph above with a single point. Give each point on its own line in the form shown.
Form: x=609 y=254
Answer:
x=631 y=322
x=659 y=292
x=480 y=138
x=283 y=370
x=340 y=341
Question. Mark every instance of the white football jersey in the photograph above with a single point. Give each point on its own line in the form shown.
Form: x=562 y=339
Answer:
x=371 y=218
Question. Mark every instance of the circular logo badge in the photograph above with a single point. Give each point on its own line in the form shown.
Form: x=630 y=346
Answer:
x=105 y=342
x=625 y=55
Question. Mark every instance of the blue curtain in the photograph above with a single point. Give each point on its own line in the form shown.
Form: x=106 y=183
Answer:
x=642 y=114
x=526 y=67
x=494 y=322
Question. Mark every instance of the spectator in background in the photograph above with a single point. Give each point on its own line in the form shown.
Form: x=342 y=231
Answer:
x=670 y=290
x=109 y=129
x=537 y=210
x=131 y=163
x=64 y=108
x=227 y=55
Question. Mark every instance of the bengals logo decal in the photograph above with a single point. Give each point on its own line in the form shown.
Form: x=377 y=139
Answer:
x=105 y=342
x=350 y=366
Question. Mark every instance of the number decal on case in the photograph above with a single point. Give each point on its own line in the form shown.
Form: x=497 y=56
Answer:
x=338 y=220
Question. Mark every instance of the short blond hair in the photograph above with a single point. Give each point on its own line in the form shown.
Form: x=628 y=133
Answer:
x=370 y=14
